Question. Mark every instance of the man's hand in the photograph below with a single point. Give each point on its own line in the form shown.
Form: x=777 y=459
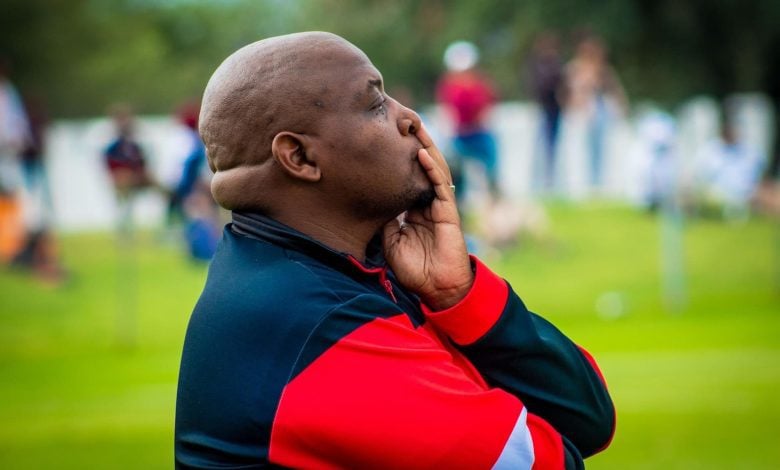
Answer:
x=425 y=248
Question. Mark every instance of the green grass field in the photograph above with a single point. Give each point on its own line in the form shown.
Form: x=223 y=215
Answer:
x=87 y=383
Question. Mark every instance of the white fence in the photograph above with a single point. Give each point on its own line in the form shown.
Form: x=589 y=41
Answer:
x=83 y=198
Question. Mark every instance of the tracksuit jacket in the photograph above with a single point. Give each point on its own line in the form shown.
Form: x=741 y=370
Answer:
x=300 y=356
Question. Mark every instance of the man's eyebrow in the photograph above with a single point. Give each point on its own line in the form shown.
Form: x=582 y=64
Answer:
x=375 y=82
x=372 y=84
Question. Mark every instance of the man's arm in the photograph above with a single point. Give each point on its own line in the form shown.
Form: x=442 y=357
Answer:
x=524 y=354
x=514 y=349
x=371 y=390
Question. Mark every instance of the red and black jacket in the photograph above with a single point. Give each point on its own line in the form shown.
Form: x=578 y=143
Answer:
x=299 y=356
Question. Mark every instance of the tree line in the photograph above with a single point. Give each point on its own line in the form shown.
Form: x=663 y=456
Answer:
x=81 y=55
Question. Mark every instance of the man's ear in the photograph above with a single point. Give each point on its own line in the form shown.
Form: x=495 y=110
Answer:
x=289 y=150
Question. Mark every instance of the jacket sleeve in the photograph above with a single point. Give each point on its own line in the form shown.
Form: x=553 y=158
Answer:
x=524 y=354
x=378 y=392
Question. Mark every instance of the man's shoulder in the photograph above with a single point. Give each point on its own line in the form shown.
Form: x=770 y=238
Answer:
x=250 y=267
x=268 y=283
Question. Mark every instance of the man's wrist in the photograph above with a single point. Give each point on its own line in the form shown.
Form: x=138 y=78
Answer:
x=446 y=298
x=443 y=299
x=470 y=318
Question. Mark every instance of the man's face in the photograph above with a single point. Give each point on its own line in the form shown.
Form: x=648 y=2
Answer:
x=367 y=139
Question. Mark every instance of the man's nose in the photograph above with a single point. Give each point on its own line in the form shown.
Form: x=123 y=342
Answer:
x=408 y=121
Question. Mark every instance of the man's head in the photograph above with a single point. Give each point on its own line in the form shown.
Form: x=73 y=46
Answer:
x=303 y=119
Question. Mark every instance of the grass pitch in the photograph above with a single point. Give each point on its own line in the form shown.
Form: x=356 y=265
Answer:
x=689 y=342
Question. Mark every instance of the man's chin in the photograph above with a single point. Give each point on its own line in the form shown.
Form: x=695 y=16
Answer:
x=424 y=199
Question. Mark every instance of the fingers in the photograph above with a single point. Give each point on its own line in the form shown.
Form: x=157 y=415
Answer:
x=437 y=176
x=425 y=139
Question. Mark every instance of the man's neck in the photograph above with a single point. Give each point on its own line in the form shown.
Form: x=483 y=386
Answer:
x=347 y=236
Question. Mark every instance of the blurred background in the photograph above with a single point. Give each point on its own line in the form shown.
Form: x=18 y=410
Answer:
x=616 y=161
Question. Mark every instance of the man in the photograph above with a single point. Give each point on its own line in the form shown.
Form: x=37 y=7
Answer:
x=307 y=349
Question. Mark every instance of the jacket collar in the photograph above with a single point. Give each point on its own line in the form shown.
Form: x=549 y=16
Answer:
x=262 y=227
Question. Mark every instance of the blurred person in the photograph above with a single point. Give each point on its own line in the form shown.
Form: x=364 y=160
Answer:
x=202 y=231
x=191 y=163
x=343 y=323
x=14 y=131
x=26 y=241
x=593 y=97
x=14 y=135
x=32 y=153
x=545 y=77
x=190 y=200
x=126 y=163
x=124 y=156
x=728 y=172
x=468 y=97
x=655 y=157
x=39 y=252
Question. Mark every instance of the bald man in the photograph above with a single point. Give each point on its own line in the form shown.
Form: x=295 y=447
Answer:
x=343 y=323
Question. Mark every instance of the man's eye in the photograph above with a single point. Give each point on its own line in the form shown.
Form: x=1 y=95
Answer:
x=381 y=107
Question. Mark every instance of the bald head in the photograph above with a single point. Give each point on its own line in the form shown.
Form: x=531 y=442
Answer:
x=270 y=86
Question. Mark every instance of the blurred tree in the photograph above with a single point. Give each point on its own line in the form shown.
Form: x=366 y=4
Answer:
x=84 y=54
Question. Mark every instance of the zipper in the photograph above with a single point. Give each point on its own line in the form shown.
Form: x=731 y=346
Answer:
x=388 y=286
x=383 y=280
